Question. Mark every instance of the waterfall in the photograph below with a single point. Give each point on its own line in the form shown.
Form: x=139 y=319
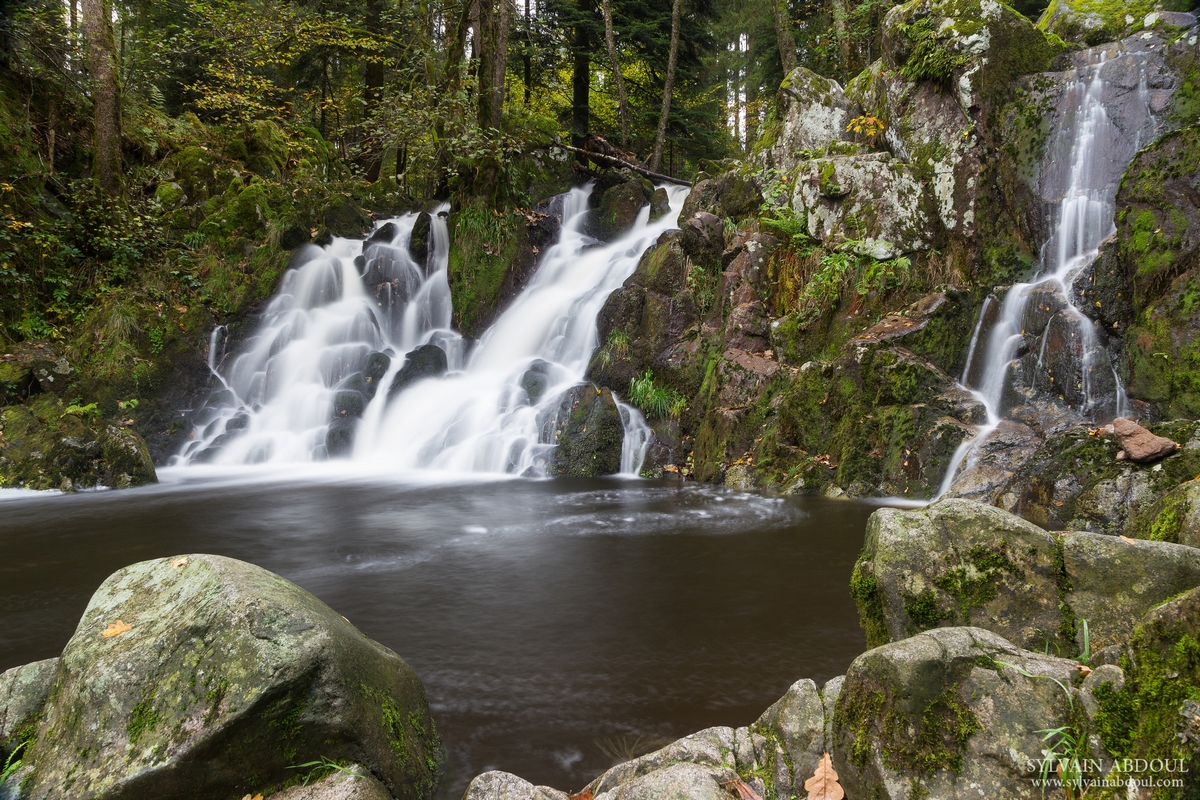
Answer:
x=355 y=357
x=1036 y=344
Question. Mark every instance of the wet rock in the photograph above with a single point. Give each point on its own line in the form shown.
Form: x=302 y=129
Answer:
x=1116 y=582
x=374 y=370
x=1139 y=444
x=660 y=204
x=23 y=693
x=728 y=195
x=339 y=437
x=496 y=785
x=993 y=463
x=426 y=361
x=814 y=112
x=536 y=380
x=349 y=404
x=384 y=234
x=419 y=246
x=957 y=562
x=348 y=783
x=217 y=678
x=589 y=434
x=703 y=236
x=948 y=713
x=616 y=208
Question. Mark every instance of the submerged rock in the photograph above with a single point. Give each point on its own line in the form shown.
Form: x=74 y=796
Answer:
x=426 y=361
x=201 y=676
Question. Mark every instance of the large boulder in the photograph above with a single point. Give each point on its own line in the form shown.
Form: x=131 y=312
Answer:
x=343 y=783
x=958 y=562
x=201 y=676
x=496 y=785
x=951 y=713
x=426 y=361
x=23 y=693
x=615 y=208
x=813 y=111
x=1174 y=517
x=730 y=194
x=589 y=432
x=1115 y=582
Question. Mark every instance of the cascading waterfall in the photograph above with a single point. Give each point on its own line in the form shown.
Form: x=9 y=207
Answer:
x=344 y=325
x=1036 y=343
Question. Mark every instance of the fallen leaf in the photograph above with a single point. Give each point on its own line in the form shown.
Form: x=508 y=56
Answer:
x=1127 y=540
x=116 y=629
x=1085 y=670
x=586 y=794
x=743 y=790
x=823 y=785
x=256 y=797
x=179 y=562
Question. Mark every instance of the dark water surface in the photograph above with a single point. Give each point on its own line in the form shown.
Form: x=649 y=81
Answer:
x=543 y=616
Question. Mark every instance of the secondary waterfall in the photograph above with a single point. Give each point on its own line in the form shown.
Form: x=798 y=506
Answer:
x=355 y=357
x=1036 y=344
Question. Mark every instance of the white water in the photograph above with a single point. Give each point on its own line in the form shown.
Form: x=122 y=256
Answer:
x=1080 y=374
x=326 y=325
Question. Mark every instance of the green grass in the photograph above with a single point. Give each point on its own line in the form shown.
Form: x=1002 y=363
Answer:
x=655 y=400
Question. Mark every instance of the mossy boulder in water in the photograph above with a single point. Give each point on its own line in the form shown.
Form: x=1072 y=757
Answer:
x=46 y=444
x=950 y=714
x=958 y=562
x=589 y=433
x=615 y=205
x=201 y=676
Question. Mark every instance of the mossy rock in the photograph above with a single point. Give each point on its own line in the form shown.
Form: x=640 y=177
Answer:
x=1174 y=517
x=945 y=710
x=958 y=562
x=589 y=434
x=1093 y=22
x=217 y=678
x=23 y=693
x=615 y=210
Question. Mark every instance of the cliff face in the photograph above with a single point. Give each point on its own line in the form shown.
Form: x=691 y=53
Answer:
x=813 y=335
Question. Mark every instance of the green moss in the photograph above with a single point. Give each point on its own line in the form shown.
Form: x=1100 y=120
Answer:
x=924 y=611
x=483 y=248
x=142 y=720
x=868 y=597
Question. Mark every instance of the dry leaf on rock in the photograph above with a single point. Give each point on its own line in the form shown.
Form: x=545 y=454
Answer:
x=586 y=794
x=823 y=785
x=256 y=797
x=116 y=629
x=1126 y=539
x=179 y=562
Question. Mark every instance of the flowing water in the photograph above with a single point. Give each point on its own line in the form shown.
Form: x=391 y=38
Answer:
x=545 y=618
x=310 y=383
x=1036 y=344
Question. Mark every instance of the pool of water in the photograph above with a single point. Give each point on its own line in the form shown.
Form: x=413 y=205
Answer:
x=552 y=622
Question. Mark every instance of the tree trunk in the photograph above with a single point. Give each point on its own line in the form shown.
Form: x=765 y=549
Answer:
x=527 y=56
x=783 y=32
x=106 y=94
x=581 y=83
x=483 y=51
x=668 y=86
x=622 y=100
x=839 y=25
x=374 y=76
x=500 y=61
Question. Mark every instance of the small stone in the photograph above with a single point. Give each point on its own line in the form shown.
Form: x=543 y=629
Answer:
x=1139 y=444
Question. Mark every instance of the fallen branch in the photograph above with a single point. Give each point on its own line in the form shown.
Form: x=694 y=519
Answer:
x=617 y=162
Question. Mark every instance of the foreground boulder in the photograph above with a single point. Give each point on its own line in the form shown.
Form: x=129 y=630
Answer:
x=202 y=676
x=23 y=692
x=589 y=432
x=951 y=713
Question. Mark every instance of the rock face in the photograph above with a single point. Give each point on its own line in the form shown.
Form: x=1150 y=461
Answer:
x=349 y=783
x=589 y=433
x=947 y=714
x=496 y=785
x=957 y=562
x=201 y=676
x=814 y=115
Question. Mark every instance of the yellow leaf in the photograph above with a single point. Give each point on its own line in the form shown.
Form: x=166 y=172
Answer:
x=823 y=785
x=1127 y=540
x=179 y=562
x=116 y=629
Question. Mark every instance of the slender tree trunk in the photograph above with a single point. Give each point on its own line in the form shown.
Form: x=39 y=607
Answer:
x=783 y=32
x=483 y=52
x=106 y=94
x=668 y=87
x=622 y=100
x=839 y=25
x=500 y=61
x=51 y=135
x=527 y=56
x=374 y=76
x=581 y=84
